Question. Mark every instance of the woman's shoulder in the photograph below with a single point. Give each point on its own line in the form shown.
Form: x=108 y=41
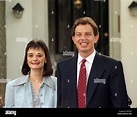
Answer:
x=51 y=78
x=18 y=81
x=51 y=81
x=54 y=78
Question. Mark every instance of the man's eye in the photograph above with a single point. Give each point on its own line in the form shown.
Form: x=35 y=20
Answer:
x=88 y=34
x=78 y=35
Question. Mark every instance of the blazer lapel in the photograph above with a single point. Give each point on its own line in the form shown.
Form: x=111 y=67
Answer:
x=95 y=73
x=72 y=80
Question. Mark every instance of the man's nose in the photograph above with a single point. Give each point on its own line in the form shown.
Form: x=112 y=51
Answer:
x=83 y=36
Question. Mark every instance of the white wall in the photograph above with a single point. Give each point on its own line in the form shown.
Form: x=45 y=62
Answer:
x=33 y=24
x=18 y=32
x=123 y=40
x=40 y=19
x=114 y=29
x=129 y=49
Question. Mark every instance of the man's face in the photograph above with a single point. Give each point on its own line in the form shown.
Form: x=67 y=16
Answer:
x=84 y=38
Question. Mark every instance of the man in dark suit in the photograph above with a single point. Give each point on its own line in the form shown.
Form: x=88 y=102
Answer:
x=105 y=84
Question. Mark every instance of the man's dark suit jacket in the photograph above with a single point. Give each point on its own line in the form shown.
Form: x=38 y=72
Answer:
x=106 y=86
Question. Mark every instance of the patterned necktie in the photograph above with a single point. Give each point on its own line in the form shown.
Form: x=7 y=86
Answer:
x=82 y=86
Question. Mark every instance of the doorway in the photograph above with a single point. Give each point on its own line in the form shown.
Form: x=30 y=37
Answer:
x=62 y=14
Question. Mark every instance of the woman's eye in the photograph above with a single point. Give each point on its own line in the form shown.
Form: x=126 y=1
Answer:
x=30 y=55
x=39 y=55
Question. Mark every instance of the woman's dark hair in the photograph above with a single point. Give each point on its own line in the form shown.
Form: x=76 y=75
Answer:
x=38 y=43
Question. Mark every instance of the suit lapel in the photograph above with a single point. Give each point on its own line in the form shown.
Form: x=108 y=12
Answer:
x=72 y=80
x=95 y=73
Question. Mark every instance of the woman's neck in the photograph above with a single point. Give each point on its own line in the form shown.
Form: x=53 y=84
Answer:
x=36 y=76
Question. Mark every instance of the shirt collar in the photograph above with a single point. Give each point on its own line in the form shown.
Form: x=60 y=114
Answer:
x=46 y=80
x=89 y=59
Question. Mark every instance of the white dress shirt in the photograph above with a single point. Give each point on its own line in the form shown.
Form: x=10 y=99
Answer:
x=88 y=64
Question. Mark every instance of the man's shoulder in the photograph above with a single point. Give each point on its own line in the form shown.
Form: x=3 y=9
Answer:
x=67 y=60
x=107 y=58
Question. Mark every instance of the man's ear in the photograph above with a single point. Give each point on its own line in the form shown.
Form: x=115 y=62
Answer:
x=96 y=38
x=73 y=39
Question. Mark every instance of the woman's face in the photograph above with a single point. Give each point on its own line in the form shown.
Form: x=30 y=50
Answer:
x=36 y=58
